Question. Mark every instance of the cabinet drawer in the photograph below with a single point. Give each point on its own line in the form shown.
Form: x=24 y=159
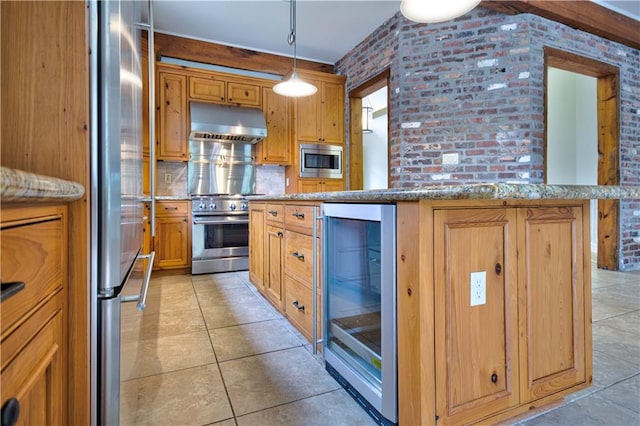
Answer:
x=299 y=216
x=299 y=307
x=32 y=253
x=298 y=257
x=275 y=212
x=172 y=208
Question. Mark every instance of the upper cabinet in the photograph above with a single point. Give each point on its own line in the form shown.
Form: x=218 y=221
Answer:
x=213 y=89
x=276 y=147
x=173 y=124
x=320 y=118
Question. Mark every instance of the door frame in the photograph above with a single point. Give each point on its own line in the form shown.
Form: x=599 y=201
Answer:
x=608 y=102
x=380 y=80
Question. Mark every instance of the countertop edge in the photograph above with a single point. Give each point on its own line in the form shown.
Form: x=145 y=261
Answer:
x=494 y=191
x=21 y=186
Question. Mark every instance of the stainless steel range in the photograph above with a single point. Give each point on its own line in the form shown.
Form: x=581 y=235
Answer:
x=220 y=233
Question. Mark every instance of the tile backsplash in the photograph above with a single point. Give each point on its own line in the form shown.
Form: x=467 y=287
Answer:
x=172 y=179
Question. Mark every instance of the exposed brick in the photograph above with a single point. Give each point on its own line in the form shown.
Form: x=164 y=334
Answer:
x=475 y=86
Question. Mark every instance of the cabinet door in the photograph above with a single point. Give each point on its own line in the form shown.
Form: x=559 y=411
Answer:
x=332 y=185
x=309 y=185
x=36 y=375
x=332 y=113
x=551 y=273
x=275 y=250
x=174 y=129
x=276 y=147
x=257 y=244
x=476 y=338
x=243 y=94
x=172 y=236
x=207 y=89
x=308 y=116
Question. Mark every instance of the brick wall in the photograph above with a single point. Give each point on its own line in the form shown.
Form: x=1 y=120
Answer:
x=474 y=86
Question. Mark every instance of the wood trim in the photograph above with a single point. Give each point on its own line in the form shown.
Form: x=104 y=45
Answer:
x=356 y=160
x=217 y=54
x=582 y=15
x=45 y=116
x=608 y=101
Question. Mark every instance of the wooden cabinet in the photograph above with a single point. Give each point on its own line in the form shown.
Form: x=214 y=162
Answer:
x=173 y=235
x=317 y=185
x=214 y=89
x=257 y=244
x=276 y=147
x=34 y=338
x=320 y=117
x=173 y=117
x=552 y=298
x=283 y=272
x=477 y=337
x=509 y=288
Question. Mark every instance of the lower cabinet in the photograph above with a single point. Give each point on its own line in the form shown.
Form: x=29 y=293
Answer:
x=508 y=288
x=320 y=185
x=33 y=348
x=283 y=269
x=172 y=242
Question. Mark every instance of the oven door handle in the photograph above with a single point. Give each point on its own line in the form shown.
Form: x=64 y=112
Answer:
x=221 y=221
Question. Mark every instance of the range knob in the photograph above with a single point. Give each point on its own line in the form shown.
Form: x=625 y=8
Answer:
x=244 y=206
x=201 y=206
x=232 y=206
x=212 y=206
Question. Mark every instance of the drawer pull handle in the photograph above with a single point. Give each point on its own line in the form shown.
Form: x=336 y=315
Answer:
x=10 y=412
x=297 y=255
x=298 y=215
x=298 y=306
x=10 y=289
x=171 y=208
x=273 y=212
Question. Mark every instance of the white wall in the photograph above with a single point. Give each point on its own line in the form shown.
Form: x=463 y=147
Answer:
x=572 y=134
x=375 y=151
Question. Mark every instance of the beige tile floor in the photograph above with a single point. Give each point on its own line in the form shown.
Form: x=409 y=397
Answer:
x=210 y=351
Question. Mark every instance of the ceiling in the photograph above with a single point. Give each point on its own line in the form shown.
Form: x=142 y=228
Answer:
x=326 y=29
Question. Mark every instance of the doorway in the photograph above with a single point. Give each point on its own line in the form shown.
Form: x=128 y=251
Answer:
x=369 y=148
x=608 y=150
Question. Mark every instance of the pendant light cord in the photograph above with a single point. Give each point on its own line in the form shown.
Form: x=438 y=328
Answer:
x=291 y=39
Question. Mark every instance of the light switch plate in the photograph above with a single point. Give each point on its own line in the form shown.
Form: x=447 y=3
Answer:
x=167 y=178
x=478 y=288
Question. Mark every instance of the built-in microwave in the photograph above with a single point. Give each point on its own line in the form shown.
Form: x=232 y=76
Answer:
x=320 y=161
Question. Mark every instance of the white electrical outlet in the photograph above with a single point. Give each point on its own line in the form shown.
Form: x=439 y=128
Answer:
x=450 y=159
x=167 y=178
x=478 y=288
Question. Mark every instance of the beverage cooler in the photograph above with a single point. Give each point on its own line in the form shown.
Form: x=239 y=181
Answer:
x=359 y=243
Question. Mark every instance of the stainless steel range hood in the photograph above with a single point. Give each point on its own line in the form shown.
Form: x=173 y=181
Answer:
x=224 y=123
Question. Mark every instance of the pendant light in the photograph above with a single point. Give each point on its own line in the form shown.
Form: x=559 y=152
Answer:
x=294 y=86
x=433 y=11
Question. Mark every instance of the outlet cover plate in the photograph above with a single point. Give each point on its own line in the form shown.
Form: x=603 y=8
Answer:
x=478 y=288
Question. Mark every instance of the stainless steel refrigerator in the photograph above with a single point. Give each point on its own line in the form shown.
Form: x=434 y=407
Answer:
x=116 y=180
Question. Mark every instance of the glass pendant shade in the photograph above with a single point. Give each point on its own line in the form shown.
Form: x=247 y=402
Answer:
x=294 y=87
x=433 y=11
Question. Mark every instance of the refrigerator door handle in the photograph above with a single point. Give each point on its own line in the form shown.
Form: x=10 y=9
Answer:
x=142 y=297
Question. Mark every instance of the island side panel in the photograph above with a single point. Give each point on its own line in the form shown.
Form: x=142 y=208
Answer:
x=416 y=356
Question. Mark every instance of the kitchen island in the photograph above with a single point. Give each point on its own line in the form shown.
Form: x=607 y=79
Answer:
x=527 y=345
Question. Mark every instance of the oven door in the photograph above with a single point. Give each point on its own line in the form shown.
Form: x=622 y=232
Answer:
x=220 y=236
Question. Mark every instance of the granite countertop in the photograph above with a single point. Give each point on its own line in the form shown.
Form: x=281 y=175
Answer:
x=172 y=198
x=19 y=186
x=490 y=191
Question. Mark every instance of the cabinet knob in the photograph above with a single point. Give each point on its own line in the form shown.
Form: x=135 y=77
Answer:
x=498 y=268
x=230 y=99
x=10 y=412
x=494 y=378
